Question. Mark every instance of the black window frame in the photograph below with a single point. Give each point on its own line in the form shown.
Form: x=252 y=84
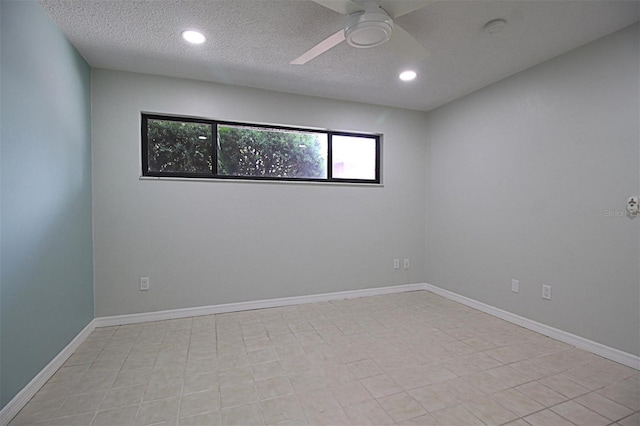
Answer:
x=214 y=154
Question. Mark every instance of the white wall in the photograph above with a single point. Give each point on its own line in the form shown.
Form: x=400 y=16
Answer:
x=204 y=243
x=519 y=176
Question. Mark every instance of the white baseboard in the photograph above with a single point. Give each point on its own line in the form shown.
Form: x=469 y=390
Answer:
x=248 y=306
x=613 y=354
x=14 y=406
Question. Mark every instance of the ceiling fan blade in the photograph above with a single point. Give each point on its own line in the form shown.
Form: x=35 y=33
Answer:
x=343 y=7
x=397 y=8
x=403 y=44
x=319 y=48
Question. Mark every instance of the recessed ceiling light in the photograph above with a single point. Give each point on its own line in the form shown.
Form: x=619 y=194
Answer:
x=407 y=75
x=193 y=37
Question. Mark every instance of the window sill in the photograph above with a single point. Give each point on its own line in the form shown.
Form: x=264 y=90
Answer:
x=263 y=182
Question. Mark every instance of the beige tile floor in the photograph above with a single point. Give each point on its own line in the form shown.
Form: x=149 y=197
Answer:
x=407 y=359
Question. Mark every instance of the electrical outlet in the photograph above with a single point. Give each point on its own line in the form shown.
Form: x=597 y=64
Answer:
x=396 y=263
x=515 y=286
x=144 y=283
x=406 y=264
x=546 y=292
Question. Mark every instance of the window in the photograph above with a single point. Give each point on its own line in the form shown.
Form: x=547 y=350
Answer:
x=201 y=148
x=354 y=157
x=178 y=148
x=273 y=153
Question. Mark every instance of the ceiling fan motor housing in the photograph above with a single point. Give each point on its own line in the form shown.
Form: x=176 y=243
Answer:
x=368 y=28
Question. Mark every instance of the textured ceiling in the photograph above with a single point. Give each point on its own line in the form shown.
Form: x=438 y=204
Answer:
x=251 y=42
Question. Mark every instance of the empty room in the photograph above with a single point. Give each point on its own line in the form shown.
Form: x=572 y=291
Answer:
x=319 y=212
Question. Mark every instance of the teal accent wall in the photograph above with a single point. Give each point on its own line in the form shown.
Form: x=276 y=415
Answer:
x=46 y=266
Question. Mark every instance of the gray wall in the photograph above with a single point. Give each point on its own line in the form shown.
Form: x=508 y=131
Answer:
x=204 y=243
x=46 y=265
x=519 y=176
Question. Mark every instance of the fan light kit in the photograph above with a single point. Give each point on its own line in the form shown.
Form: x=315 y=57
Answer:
x=369 y=24
x=193 y=37
x=368 y=29
x=407 y=75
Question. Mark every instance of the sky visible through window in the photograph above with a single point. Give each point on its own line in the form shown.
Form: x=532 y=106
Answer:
x=354 y=157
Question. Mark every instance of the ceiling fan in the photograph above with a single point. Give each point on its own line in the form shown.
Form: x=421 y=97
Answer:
x=369 y=24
